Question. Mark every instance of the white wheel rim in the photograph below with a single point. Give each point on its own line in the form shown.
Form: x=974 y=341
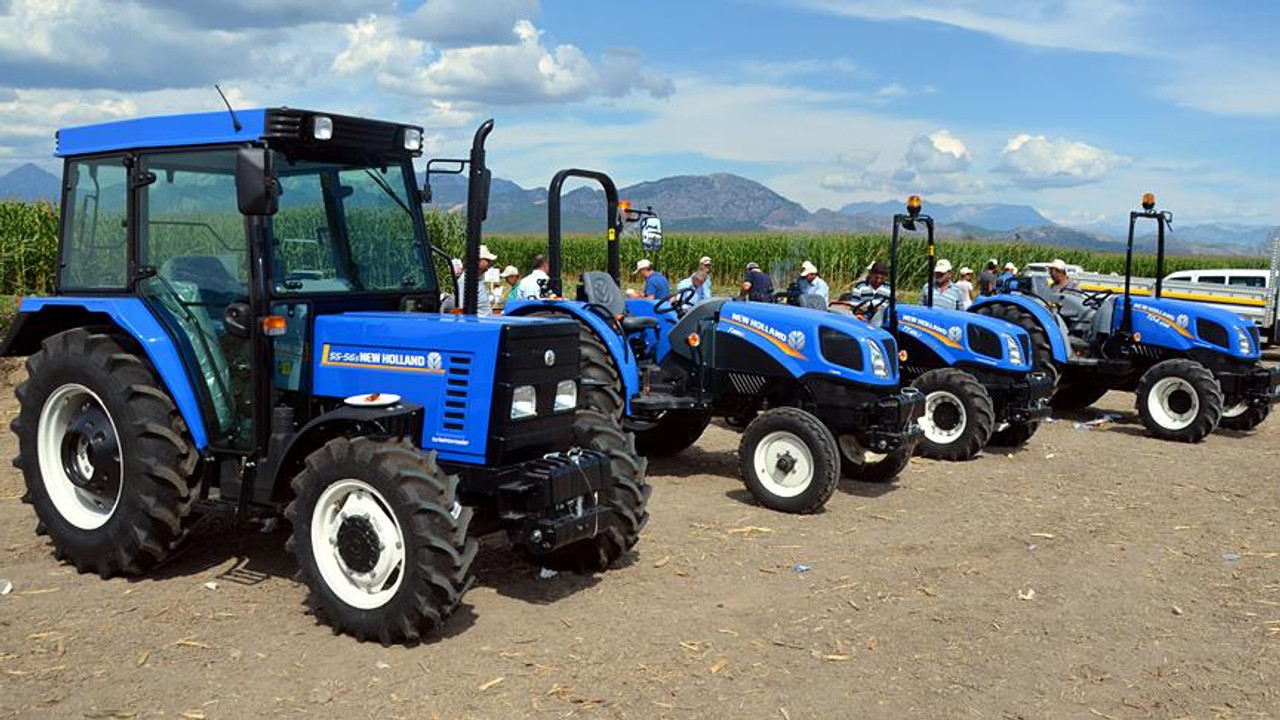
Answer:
x=83 y=509
x=357 y=507
x=783 y=463
x=945 y=402
x=1165 y=403
x=853 y=451
x=1236 y=410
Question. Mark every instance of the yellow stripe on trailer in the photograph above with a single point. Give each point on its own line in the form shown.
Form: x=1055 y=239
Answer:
x=1176 y=295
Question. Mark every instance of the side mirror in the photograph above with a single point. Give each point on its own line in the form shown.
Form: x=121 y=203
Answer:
x=236 y=318
x=651 y=234
x=257 y=190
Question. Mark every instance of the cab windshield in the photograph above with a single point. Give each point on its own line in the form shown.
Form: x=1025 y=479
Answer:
x=348 y=228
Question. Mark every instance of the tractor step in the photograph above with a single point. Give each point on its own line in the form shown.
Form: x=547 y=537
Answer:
x=656 y=402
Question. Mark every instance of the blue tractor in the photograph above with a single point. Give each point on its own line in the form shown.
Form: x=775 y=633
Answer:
x=975 y=372
x=246 y=321
x=817 y=395
x=1192 y=366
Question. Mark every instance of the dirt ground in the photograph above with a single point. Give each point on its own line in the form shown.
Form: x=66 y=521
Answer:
x=1097 y=573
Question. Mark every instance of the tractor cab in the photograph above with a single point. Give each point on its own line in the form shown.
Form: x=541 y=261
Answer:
x=247 y=321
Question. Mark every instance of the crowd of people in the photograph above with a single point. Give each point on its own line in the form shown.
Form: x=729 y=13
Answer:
x=951 y=289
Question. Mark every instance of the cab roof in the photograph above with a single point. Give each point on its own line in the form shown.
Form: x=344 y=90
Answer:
x=214 y=128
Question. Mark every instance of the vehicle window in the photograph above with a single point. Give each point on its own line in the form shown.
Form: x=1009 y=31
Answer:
x=1214 y=279
x=1179 y=278
x=344 y=228
x=95 y=248
x=1247 y=281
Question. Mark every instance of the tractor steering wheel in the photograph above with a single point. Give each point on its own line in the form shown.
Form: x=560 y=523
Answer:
x=1095 y=298
x=863 y=309
x=679 y=302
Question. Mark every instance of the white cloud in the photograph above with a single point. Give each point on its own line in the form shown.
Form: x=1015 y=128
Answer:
x=1034 y=161
x=453 y=23
x=238 y=14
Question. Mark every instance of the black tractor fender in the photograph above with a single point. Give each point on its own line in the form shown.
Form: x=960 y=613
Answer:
x=289 y=454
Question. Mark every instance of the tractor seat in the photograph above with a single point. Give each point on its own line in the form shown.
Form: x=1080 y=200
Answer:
x=598 y=288
x=633 y=323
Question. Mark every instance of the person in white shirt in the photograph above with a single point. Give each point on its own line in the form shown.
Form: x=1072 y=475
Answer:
x=484 y=299
x=813 y=284
x=965 y=285
x=535 y=283
x=699 y=283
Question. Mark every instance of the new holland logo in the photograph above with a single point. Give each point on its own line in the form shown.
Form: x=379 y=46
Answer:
x=954 y=332
x=795 y=340
x=1183 y=321
x=434 y=361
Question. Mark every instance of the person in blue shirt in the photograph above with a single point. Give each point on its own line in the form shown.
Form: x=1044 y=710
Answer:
x=756 y=285
x=700 y=285
x=1010 y=272
x=813 y=283
x=656 y=286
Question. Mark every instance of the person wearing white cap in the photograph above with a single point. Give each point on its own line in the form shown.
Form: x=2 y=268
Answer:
x=484 y=300
x=704 y=264
x=965 y=285
x=511 y=276
x=656 y=285
x=811 y=283
x=1058 y=274
x=1010 y=272
x=945 y=295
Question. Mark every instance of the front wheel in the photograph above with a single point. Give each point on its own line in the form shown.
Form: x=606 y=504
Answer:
x=672 y=433
x=789 y=460
x=959 y=416
x=1179 y=400
x=380 y=539
x=1244 y=416
x=1077 y=395
x=858 y=463
x=1015 y=435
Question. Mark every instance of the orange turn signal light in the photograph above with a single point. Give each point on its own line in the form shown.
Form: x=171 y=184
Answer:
x=913 y=202
x=624 y=205
x=694 y=340
x=1148 y=201
x=902 y=356
x=1137 y=337
x=274 y=325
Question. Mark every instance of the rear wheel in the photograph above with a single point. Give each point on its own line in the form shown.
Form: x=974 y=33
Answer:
x=1015 y=435
x=1244 y=416
x=105 y=454
x=601 y=388
x=1077 y=395
x=671 y=433
x=380 y=539
x=959 y=416
x=1041 y=348
x=857 y=463
x=628 y=498
x=1179 y=400
x=789 y=460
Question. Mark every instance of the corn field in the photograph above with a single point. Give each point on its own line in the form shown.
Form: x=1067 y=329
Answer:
x=28 y=252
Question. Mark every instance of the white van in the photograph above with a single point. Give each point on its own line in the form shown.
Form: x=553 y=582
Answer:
x=1234 y=277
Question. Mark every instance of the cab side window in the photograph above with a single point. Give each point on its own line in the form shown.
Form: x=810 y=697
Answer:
x=95 y=247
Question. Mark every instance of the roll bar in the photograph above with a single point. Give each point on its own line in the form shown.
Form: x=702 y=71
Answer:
x=1163 y=218
x=907 y=221
x=554 y=231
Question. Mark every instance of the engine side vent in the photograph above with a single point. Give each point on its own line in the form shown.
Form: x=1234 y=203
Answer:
x=457 y=383
x=746 y=383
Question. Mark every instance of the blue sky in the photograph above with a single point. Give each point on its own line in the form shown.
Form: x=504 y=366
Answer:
x=1075 y=107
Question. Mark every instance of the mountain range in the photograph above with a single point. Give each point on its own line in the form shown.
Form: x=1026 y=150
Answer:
x=729 y=203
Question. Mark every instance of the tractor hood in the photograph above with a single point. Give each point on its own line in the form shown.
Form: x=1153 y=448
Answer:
x=961 y=338
x=1182 y=325
x=808 y=342
x=458 y=367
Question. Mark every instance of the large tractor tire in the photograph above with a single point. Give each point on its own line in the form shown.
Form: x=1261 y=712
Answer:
x=1077 y=396
x=380 y=539
x=106 y=456
x=1179 y=400
x=601 y=388
x=856 y=463
x=959 y=417
x=672 y=433
x=1041 y=348
x=1244 y=416
x=628 y=498
x=1015 y=435
x=789 y=460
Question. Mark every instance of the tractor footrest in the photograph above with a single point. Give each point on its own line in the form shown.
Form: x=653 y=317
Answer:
x=654 y=402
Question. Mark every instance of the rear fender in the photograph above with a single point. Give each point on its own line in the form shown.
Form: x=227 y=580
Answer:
x=41 y=318
x=1048 y=320
x=623 y=359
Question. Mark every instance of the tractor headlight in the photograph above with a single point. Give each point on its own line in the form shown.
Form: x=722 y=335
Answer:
x=566 y=395
x=878 y=365
x=1015 y=352
x=1242 y=340
x=524 y=402
x=322 y=127
x=412 y=139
